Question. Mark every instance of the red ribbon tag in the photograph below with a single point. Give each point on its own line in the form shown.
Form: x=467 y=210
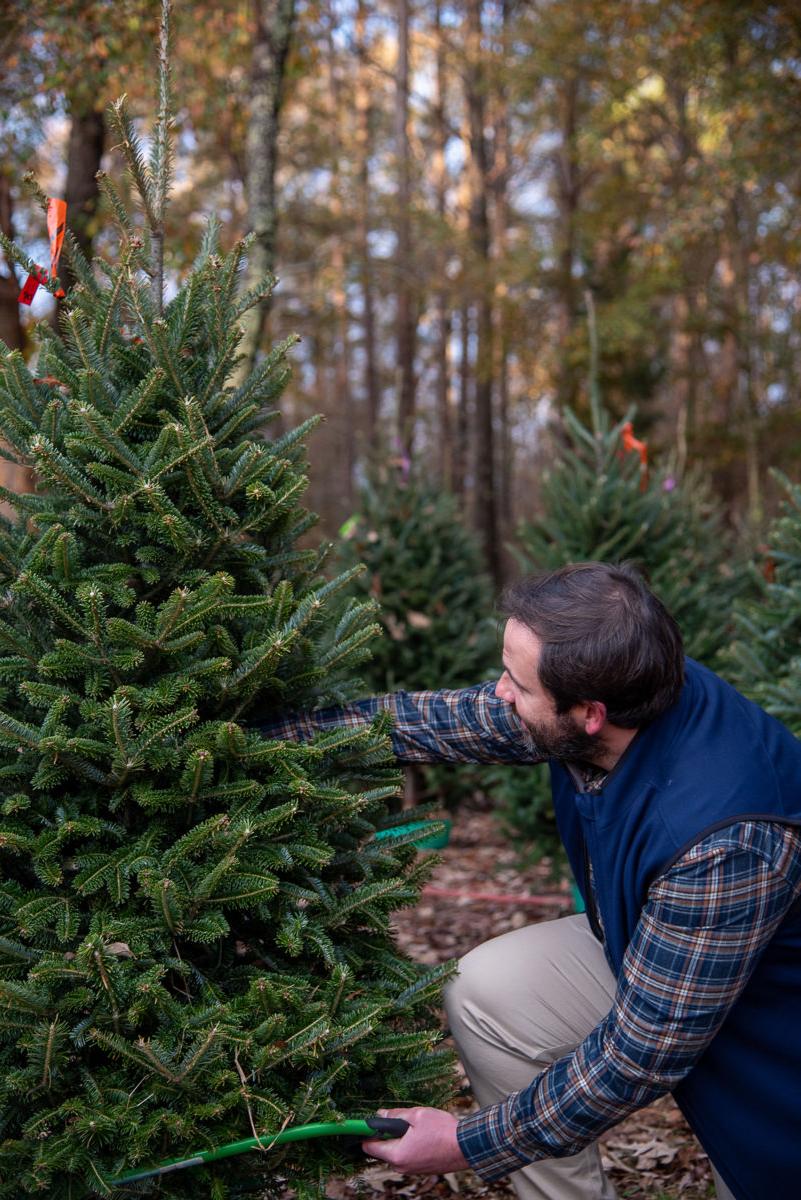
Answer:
x=31 y=286
x=56 y=224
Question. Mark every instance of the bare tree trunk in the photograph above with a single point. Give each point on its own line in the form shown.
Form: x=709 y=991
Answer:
x=486 y=520
x=84 y=154
x=737 y=379
x=446 y=451
x=462 y=441
x=568 y=191
x=406 y=314
x=347 y=424
x=728 y=376
x=682 y=384
x=441 y=306
x=363 y=150
x=10 y=324
x=500 y=179
x=742 y=225
x=413 y=786
x=686 y=357
x=682 y=388
x=342 y=407
x=274 y=26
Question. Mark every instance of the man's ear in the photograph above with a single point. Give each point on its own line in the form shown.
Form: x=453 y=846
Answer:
x=594 y=716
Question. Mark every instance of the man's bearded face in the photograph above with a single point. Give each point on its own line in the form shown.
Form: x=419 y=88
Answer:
x=562 y=738
x=555 y=735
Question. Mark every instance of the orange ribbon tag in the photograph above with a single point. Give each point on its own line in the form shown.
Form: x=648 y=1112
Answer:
x=631 y=443
x=56 y=224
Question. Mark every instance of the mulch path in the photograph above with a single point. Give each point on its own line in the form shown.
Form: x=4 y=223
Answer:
x=650 y=1156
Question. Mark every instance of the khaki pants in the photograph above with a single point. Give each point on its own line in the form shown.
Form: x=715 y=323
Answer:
x=520 y=1002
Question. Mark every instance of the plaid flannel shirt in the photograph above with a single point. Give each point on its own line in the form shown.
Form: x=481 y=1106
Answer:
x=698 y=939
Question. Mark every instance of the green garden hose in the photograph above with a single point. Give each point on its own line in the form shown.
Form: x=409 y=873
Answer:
x=388 y=1126
x=437 y=839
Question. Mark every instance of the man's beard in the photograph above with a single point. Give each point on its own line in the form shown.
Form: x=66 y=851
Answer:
x=563 y=739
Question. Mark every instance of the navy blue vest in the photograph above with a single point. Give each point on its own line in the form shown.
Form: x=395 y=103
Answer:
x=712 y=759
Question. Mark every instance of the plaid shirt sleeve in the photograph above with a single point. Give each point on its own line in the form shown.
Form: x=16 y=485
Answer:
x=462 y=725
x=698 y=939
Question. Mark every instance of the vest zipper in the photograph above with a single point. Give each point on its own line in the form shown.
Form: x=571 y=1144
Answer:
x=589 y=892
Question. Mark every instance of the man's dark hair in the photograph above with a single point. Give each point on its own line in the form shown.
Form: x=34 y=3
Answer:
x=605 y=636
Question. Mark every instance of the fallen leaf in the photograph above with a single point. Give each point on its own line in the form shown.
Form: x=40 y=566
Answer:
x=380 y=1175
x=120 y=948
x=655 y=1153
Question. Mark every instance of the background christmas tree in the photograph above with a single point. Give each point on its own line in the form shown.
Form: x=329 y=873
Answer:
x=765 y=657
x=599 y=502
x=194 y=936
x=602 y=501
x=426 y=572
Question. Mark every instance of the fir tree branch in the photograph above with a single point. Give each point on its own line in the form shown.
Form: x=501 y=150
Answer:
x=254 y=296
x=198 y=1054
x=156 y=335
x=109 y=189
x=174 y=723
x=81 y=267
x=165 y=468
x=209 y=243
x=74 y=321
x=35 y=189
x=111 y=308
x=16 y=996
x=106 y=435
x=53 y=464
x=22 y=387
x=101 y=967
x=144 y=394
x=32 y=583
x=131 y=146
x=223 y=367
x=120 y=1048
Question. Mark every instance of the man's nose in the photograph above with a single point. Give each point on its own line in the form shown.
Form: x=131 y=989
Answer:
x=502 y=689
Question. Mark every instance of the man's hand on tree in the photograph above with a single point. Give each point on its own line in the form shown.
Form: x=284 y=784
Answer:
x=429 y=1145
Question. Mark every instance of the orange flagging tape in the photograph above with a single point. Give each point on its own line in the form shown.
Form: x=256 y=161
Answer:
x=56 y=224
x=631 y=443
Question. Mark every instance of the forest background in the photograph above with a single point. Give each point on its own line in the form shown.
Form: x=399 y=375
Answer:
x=444 y=190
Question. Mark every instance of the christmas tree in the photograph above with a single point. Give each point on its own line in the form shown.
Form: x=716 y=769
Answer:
x=597 y=502
x=194 y=940
x=765 y=657
x=602 y=501
x=426 y=572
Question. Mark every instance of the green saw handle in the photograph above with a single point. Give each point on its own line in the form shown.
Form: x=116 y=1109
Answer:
x=366 y=1128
